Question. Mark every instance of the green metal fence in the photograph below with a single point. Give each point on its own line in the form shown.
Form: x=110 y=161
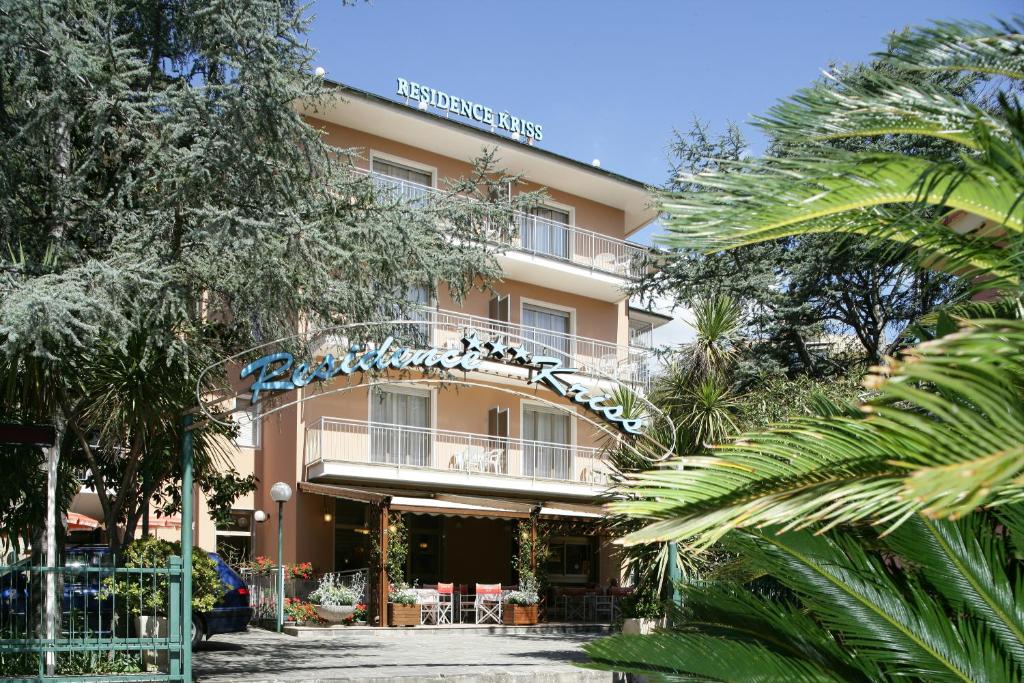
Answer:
x=104 y=623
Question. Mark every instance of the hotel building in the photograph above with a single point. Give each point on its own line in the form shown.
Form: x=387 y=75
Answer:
x=466 y=464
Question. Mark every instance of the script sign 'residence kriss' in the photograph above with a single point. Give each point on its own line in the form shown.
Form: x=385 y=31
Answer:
x=278 y=371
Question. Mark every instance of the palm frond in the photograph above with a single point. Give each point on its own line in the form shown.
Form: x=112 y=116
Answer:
x=695 y=656
x=962 y=46
x=905 y=632
x=943 y=437
x=966 y=563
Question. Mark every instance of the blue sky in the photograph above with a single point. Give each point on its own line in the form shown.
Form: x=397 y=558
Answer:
x=610 y=80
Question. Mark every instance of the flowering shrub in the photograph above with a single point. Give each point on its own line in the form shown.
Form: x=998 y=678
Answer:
x=527 y=594
x=303 y=570
x=333 y=593
x=357 y=616
x=261 y=565
x=264 y=565
x=402 y=595
x=301 y=611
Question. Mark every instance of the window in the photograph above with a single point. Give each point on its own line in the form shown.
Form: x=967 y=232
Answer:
x=550 y=332
x=248 y=427
x=547 y=447
x=570 y=560
x=544 y=230
x=408 y=183
x=400 y=429
x=234 y=541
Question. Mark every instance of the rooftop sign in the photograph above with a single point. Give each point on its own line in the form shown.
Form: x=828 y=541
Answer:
x=471 y=110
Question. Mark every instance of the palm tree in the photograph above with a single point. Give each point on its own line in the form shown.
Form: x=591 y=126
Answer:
x=932 y=589
x=946 y=433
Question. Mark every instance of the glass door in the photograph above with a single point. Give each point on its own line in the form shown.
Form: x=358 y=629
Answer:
x=548 y=329
x=547 y=447
x=400 y=427
x=545 y=231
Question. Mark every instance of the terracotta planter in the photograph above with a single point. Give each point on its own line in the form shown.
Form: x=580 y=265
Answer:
x=518 y=615
x=335 y=614
x=403 y=615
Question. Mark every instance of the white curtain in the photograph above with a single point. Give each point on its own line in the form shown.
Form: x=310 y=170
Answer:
x=542 y=232
x=547 y=459
x=399 y=427
x=551 y=333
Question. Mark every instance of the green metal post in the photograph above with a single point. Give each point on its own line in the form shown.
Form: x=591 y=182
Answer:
x=186 y=549
x=674 y=573
x=174 y=628
x=280 y=565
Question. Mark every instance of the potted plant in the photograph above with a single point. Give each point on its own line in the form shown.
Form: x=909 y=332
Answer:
x=520 y=607
x=402 y=607
x=335 y=601
x=642 y=613
x=147 y=599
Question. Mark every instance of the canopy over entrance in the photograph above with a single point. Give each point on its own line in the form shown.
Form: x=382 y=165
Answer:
x=479 y=532
x=452 y=504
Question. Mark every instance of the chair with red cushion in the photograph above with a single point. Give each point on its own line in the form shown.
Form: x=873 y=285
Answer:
x=487 y=603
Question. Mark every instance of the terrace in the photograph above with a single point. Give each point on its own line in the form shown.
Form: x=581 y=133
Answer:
x=358 y=449
x=540 y=237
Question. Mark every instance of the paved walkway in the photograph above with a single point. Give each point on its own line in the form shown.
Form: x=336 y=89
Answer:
x=373 y=656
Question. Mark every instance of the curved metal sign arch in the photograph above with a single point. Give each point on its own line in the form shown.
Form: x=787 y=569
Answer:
x=276 y=372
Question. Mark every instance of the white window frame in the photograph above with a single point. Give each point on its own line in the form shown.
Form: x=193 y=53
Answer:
x=254 y=410
x=569 y=411
x=409 y=389
x=526 y=301
x=559 y=206
x=401 y=161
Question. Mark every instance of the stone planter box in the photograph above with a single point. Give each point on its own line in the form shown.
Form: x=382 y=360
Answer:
x=403 y=615
x=335 y=614
x=153 y=627
x=518 y=615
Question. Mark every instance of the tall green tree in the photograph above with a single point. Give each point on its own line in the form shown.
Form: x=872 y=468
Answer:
x=163 y=202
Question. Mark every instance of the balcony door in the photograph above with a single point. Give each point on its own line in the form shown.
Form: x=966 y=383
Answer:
x=400 y=426
x=546 y=332
x=407 y=183
x=546 y=231
x=547 y=447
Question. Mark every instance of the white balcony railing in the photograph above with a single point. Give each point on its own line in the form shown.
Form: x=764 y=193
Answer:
x=598 y=358
x=543 y=237
x=356 y=441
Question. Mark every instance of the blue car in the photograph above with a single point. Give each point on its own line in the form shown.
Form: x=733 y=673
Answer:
x=81 y=597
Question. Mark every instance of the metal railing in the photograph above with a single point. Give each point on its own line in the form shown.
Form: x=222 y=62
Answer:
x=357 y=441
x=123 y=624
x=591 y=356
x=263 y=589
x=541 y=236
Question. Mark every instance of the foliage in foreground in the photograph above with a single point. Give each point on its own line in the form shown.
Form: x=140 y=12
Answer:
x=932 y=589
x=933 y=601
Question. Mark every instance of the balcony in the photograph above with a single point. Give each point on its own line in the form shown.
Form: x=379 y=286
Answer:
x=594 y=357
x=356 y=449
x=535 y=236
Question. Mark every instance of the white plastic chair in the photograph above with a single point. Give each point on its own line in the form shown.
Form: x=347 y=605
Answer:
x=493 y=457
x=487 y=602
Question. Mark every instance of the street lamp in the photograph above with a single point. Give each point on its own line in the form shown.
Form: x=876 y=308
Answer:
x=281 y=493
